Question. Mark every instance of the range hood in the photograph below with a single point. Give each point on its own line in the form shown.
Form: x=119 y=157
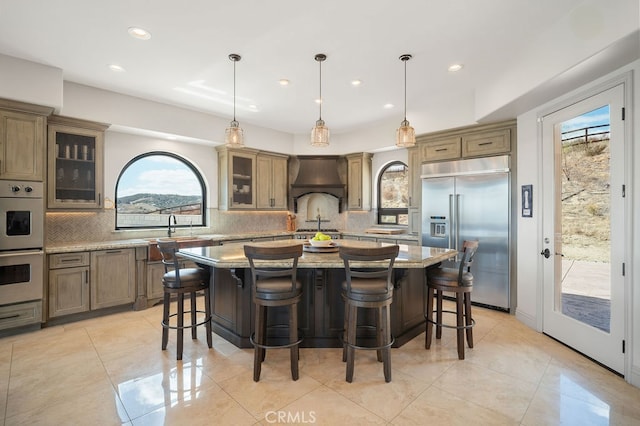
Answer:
x=317 y=174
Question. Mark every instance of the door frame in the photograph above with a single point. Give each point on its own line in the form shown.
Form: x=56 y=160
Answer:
x=626 y=79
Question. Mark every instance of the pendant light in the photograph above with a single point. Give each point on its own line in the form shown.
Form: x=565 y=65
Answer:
x=320 y=133
x=233 y=136
x=405 y=135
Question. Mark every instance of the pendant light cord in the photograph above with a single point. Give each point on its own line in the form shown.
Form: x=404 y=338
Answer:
x=234 y=89
x=405 y=90
x=320 y=62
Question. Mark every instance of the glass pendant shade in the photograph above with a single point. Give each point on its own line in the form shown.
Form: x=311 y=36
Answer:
x=405 y=135
x=233 y=135
x=320 y=134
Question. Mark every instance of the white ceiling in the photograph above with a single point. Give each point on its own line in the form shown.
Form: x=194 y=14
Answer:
x=186 y=63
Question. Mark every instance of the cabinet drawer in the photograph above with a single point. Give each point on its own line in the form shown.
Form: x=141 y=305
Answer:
x=443 y=149
x=487 y=143
x=20 y=314
x=69 y=260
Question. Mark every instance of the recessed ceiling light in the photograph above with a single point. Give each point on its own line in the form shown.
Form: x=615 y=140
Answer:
x=283 y=82
x=139 y=33
x=253 y=107
x=388 y=106
x=116 y=68
x=356 y=82
x=318 y=101
x=455 y=67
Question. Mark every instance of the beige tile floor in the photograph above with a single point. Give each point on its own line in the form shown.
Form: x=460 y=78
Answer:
x=111 y=370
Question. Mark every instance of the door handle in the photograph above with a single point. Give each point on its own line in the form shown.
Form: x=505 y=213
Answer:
x=546 y=253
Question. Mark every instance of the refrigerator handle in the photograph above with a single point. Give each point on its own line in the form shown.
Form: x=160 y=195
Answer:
x=451 y=221
x=457 y=221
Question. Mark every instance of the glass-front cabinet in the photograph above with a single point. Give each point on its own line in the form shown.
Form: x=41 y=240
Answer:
x=75 y=159
x=237 y=178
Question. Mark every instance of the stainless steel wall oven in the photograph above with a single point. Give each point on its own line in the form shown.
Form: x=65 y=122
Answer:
x=21 y=253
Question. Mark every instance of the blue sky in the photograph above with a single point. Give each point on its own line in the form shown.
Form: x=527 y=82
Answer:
x=158 y=174
x=596 y=117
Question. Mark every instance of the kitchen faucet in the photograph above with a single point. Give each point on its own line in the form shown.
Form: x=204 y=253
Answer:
x=318 y=217
x=175 y=222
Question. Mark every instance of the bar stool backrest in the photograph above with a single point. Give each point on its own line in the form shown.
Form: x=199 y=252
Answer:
x=168 y=249
x=273 y=262
x=386 y=255
x=469 y=249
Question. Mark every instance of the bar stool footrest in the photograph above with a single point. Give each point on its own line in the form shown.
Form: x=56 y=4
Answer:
x=461 y=327
x=285 y=346
x=175 y=327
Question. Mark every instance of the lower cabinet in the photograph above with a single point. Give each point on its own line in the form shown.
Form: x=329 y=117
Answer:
x=84 y=281
x=320 y=312
x=113 y=278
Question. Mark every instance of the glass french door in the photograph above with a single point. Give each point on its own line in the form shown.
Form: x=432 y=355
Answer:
x=583 y=226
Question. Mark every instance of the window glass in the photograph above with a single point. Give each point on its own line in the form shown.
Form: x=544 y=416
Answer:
x=393 y=194
x=155 y=185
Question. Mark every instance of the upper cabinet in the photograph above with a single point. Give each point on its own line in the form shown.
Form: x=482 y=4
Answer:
x=272 y=181
x=22 y=141
x=75 y=164
x=467 y=142
x=359 y=181
x=252 y=179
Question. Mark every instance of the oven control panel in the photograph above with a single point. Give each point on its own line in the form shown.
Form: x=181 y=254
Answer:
x=15 y=189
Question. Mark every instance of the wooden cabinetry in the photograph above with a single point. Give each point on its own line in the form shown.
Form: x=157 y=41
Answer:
x=321 y=310
x=271 y=182
x=68 y=283
x=441 y=149
x=84 y=281
x=359 y=181
x=75 y=163
x=486 y=143
x=251 y=179
x=113 y=277
x=467 y=142
x=22 y=141
x=155 y=271
x=415 y=191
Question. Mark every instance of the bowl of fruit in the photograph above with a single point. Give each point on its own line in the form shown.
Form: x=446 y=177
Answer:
x=321 y=240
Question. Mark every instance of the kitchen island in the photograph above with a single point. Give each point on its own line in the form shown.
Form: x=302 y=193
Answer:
x=321 y=312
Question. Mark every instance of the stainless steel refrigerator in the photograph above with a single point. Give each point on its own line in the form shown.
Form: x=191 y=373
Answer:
x=470 y=200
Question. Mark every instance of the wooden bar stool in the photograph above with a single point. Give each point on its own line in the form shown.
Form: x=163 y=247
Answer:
x=274 y=283
x=460 y=282
x=368 y=287
x=180 y=281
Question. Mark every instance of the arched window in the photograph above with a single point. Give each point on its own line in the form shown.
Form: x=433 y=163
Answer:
x=155 y=185
x=393 y=194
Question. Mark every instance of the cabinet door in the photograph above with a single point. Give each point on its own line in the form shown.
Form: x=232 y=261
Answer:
x=271 y=182
x=242 y=169
x=113 y=278
x=75 y=167
x=279 y=183
x=442 y=149
x=264 y=198
x=155 y=271
x=22 y=139
x=68 y=291
x=355 y=183
x=486 y=143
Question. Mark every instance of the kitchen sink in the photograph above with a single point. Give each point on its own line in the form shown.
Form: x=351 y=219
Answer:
x=183 y=242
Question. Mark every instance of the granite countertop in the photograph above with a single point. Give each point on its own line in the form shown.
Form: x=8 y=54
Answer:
x=98 y=245
x=69 y=247
x=232 y=255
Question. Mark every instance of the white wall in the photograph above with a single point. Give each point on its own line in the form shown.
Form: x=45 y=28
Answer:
x=120 y=148
x=30 y=82
x=529 y=279
x=585 y=31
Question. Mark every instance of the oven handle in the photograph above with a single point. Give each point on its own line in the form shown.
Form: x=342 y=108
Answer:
x=7 y=254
